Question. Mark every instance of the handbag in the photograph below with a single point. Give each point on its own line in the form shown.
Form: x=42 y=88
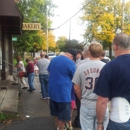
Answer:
x=26 y=74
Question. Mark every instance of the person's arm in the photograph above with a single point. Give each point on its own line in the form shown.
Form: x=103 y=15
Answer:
x=77 y=91
x=101 y=107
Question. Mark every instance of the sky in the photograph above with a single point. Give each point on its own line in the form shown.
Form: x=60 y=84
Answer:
x=65 y=10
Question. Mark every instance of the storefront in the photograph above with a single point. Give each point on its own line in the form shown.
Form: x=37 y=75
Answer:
x=10 y=24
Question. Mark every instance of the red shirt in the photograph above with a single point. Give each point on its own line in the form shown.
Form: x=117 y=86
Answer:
x=30 y=68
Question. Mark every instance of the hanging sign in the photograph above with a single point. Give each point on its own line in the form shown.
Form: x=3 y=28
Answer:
x=31 y=26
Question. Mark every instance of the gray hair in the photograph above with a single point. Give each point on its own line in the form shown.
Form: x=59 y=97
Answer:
x=122 y=40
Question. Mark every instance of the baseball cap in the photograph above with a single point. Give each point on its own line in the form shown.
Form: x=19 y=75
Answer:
x=73 y=53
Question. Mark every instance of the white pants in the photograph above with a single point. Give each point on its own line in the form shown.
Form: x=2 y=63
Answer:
x=15 y=77
x=88 y=118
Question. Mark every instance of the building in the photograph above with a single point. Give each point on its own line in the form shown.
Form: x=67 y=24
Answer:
x=11 y=20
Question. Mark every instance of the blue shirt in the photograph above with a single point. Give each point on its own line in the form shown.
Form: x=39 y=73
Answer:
x=114 y=80
x=61 y=71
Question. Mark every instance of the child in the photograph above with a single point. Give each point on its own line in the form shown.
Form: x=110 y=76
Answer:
x=69 y=124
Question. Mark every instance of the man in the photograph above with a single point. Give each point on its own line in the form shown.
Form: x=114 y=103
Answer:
x=61 y=71
x=102 y=57
x=85 y=57
x=43 y=75
x=76 y=122
x=78 y=56
x=85 y=79
x=114 y=85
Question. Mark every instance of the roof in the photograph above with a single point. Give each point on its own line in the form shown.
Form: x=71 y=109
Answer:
x=11 y=17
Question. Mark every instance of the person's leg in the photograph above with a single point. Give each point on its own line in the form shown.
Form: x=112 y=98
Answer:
x=64 y=111
x=30 y=81
x=23 y=82
x=41 y=78
x=76 y=122
x=87 y=116
x=54 y=110
x=106 y=119
x=15 y=78
x=46 y=78
x=69 y=125
x=61 y=125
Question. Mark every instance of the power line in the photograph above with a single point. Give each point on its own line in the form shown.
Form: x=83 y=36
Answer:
x=71 y=17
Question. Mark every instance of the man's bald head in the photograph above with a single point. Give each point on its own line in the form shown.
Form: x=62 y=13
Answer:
x=42 y=54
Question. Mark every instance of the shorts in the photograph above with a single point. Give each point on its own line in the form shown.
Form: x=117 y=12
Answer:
x=73 y=106
x=61 y=110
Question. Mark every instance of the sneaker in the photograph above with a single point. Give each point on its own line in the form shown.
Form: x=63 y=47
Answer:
x=29 y=90
x=43 y=98
x=63 y=128
x=14 y=83
x=47 y=97
x=70 y=128
x=24 y=87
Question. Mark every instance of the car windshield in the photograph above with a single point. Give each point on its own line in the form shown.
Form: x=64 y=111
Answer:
x=51 y=54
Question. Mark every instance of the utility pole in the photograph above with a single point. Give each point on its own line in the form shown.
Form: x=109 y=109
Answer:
x=47 y=30
x=122 y=19
x=70 y=31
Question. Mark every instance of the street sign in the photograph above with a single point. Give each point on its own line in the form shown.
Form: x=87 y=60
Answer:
x=14 y=38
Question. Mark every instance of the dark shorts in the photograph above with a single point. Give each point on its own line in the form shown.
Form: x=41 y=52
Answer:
x=60 y=110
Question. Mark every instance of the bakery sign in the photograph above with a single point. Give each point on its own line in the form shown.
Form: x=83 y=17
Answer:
x=31 y=26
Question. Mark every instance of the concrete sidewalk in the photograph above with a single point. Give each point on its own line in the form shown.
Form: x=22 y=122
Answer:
x=34 y=112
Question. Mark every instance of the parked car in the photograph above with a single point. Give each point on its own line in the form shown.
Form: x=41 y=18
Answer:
x=51 y=55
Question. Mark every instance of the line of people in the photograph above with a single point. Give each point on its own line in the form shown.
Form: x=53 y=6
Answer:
x=96 y=81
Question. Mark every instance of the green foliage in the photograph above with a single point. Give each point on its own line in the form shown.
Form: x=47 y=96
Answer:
x=2 y=117
x=72 y=44
x=103 y=19
x=8 y=117
x=34 y=11
x=61 y=43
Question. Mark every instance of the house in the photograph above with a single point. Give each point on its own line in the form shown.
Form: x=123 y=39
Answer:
x=11 y=20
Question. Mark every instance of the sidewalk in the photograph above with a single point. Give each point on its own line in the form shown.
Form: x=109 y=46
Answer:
x=34 y=112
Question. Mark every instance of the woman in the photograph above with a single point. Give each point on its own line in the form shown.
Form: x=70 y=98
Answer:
x=20 y=68
x=31 y=74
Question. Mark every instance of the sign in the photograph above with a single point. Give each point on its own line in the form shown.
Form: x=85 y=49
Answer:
x=14 y=38
x=31 y=26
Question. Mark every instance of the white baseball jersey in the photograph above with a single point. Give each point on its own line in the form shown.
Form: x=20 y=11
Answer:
x=86 y=76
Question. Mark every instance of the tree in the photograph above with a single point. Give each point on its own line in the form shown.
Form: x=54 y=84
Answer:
x=72 y=44
x=51 y=42
x=103 y=20
x=61 y=42
x=34 y=11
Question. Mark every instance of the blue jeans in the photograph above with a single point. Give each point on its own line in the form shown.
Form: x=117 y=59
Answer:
x=88 y=119
x=31 y=81
x=118 y=126
x=43 y=78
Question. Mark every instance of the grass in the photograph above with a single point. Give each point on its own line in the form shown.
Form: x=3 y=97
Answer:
x=8 y=117
x=2 y=117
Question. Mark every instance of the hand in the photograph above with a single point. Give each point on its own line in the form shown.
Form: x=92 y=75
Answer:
x=100 y=127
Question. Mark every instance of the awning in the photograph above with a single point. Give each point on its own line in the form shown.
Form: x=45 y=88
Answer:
x=10 y=17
